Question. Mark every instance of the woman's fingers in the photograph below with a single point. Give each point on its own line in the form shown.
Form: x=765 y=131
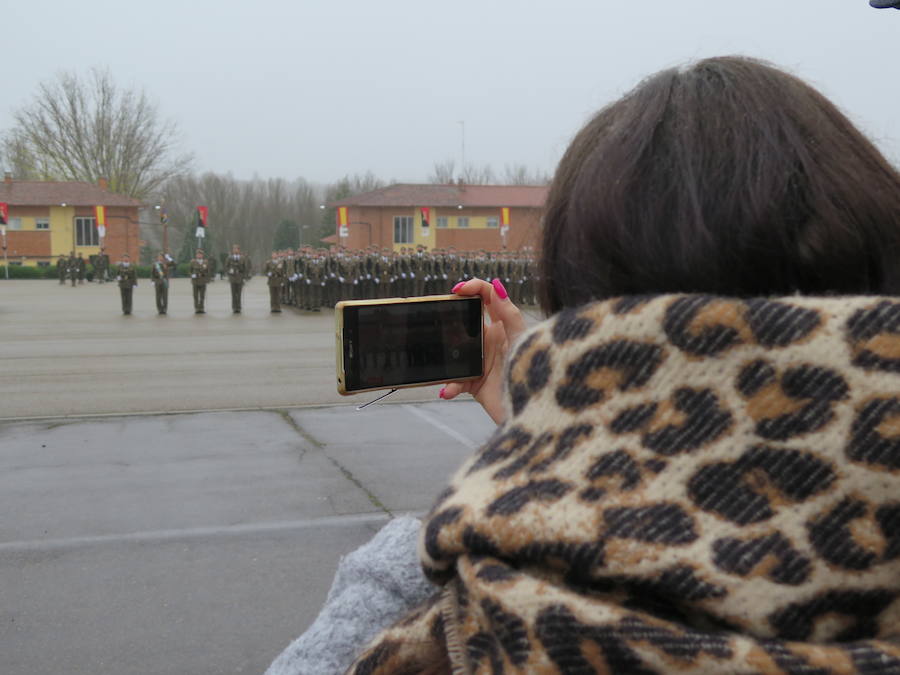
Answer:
x=500 y=308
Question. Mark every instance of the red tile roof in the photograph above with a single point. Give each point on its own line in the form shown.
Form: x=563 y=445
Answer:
x=31 y=244
x=527 y=196
x=53 y=193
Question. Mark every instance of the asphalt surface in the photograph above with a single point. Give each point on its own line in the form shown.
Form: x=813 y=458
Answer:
x=178 y=490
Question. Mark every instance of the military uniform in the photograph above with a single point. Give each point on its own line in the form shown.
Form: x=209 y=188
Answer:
x=62 y=269
x=81 y=265
x=74 y=264
x=159 y=274
x=199 y=270
x=275 y=273
x=238 y=271
x=127 y=278
x=101 y=267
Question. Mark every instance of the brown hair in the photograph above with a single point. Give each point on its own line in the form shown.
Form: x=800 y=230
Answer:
x=729 y=176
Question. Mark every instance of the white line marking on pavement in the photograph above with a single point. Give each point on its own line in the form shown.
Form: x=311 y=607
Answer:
x=191 y=533
x=443 y=427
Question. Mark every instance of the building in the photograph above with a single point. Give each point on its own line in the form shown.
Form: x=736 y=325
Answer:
x=48 y=218
x=467 y=217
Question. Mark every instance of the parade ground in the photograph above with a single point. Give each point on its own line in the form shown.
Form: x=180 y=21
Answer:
x=178 y=489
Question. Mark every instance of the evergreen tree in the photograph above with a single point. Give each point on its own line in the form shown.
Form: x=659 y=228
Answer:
x=287 y=235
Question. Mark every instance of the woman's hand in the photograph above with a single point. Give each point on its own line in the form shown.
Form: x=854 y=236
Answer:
x=506 y=324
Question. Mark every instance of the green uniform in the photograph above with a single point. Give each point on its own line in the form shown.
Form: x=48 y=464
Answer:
x=127 y=278
x=101 y=267
x=62 y=268
x=238 y=270
x=199 y=270
x=159 y=273
x=275 y=278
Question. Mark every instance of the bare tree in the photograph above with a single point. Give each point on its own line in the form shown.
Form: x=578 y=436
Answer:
x=241 y=212
x=474 y=175
x=443 y=172
x=75 y=129
x=519 y=174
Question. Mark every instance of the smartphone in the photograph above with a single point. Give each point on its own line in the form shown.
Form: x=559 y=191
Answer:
x=408 y=342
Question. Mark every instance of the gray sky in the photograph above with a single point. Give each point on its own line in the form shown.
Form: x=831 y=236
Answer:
x=321 y=89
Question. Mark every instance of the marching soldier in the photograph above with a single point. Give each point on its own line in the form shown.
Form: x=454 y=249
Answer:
x=62 y=268
x=275 y=273
x=81 y=266
x=127 y=278
x=159 y=274
x=238 y=270
x=199 y=270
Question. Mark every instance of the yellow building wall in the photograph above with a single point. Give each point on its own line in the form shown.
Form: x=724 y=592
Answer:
x=478 y=220
x=62 y=219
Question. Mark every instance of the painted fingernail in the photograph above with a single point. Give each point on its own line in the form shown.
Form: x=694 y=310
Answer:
x=458 y=286
x=501 y=290
x=441 y=392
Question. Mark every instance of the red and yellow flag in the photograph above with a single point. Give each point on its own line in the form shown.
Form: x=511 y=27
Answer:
x=342 y=218
x=100 y=216
x=4 y=213
x=504 y=216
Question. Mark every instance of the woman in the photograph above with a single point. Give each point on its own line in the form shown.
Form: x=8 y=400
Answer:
x=697 y=467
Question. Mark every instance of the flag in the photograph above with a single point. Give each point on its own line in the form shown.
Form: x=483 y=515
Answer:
x=342 y=216
x=4 y=213
x=424 y=211
x=202 y=214
x=504 y=216
x=100 y=216
x=163 y=216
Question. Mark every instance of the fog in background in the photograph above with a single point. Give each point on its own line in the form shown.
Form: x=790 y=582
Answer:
x=321 y=89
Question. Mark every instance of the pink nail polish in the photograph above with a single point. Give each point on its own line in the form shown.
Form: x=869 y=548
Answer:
x=441 y=392
x=458 y=286
x=501 y=290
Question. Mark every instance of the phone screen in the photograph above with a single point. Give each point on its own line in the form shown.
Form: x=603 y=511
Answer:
x=395 y=344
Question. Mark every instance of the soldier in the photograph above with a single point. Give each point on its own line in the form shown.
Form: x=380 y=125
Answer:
x=238 y=272
x=199 y=270
x=159 y=273
x=275 y=273
x=81 y=265
x=101 y=266
x=127 y=278
x=72 y=268
x=62 y=268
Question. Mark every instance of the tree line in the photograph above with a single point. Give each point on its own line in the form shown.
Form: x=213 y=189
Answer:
x=83 y=128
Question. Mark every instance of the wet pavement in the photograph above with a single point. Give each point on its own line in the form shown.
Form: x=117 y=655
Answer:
x=166 y=510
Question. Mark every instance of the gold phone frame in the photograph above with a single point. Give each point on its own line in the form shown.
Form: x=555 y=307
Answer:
x=339 y=336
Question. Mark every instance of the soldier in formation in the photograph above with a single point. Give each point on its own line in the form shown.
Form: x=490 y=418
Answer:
x=62 y=268
x=199 y=270
x=275 y=274
x=314 y=278
x=237 y=266
x=127 y=279
x=159 y=274
x=100 y=263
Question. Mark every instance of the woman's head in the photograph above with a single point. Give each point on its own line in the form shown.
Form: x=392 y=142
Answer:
x=728 y=176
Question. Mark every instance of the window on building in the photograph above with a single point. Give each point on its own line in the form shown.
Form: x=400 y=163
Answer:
x=85 y=232
x=403 y=229
x=442 y=221
x=15 y=263
x=462 y=221
x=14 y=223
x=493 y=221
x=43 y=263
x=42 y=223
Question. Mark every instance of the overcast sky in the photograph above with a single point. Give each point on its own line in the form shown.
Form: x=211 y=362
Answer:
x=320 y=89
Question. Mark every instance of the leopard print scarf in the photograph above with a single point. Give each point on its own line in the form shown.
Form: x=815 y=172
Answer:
x=684 y=484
